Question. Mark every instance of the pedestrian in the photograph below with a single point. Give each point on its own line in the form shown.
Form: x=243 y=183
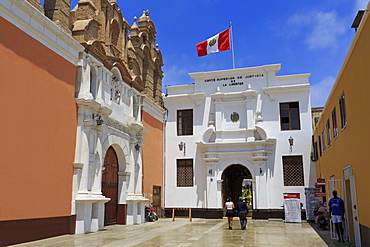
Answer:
x=229 y=207
x=242 y=208
x=336 y=209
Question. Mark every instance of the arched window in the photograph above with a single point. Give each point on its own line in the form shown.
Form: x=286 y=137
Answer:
x=115 y=32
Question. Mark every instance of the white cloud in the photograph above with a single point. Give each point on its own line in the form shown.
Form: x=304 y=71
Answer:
x=361 y=4
x=319 y=29
x=321 y=90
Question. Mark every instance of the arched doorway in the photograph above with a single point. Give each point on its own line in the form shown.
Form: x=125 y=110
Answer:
x=237 y=181
x=110 y=186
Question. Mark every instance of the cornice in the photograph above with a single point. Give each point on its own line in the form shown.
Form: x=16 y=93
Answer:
x=234 y=72
x=27 y=18
x=185 y=97
x=272 y=92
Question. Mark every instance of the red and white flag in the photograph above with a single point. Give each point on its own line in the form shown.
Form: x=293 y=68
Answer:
x=219 y=42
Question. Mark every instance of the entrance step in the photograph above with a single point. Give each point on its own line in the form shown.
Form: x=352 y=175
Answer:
x=275 y=220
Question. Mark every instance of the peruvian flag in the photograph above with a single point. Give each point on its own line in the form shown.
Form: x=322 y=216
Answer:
x=219 y=42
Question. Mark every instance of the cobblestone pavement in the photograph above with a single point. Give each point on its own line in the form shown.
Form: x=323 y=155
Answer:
x=199 y=232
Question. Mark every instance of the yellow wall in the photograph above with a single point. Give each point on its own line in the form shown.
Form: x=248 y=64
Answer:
x=351 y=145
x=38 y=127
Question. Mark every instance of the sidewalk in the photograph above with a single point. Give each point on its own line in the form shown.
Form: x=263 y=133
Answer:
x=199 y=232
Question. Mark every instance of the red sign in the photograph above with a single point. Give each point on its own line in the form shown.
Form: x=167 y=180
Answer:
x=292 y=196
x=321 y=181
x=320 y=194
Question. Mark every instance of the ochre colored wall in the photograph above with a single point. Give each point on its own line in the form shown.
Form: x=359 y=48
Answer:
x=351 y=145
x=152 y=154
x=38 y=123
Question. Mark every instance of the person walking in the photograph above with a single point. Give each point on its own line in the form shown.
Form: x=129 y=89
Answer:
x=242 y=208
x=229 y=207
x=336 y=209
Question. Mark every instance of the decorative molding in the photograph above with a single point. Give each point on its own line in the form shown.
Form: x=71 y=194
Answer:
x=78 y=166
x=124 y=174
x=27 y=18
x=273 y=92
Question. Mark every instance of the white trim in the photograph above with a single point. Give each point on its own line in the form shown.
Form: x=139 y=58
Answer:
x=27 y=18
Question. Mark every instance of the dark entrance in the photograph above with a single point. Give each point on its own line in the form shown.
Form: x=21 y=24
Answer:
x=236 y=183
x=110 y=186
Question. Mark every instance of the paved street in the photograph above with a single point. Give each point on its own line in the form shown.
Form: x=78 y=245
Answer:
x=200 y=232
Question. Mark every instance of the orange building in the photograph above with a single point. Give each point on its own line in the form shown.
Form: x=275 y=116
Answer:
x=341 y=135
x=153 y=158
x=38 y=74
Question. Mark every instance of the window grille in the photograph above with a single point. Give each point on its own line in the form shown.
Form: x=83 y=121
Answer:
x=185 y=173
x=293 y=171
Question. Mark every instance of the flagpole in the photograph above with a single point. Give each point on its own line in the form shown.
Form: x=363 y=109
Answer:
x=232 y=45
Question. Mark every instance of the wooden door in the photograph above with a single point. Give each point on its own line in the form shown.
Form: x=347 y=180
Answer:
x=110 y=186
x=157 y=200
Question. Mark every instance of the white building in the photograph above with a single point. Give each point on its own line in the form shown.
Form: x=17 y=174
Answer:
x=233 y=128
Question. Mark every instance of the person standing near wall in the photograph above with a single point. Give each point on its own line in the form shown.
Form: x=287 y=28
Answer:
x=336 y=209
x=242 y=208
x=229 y=207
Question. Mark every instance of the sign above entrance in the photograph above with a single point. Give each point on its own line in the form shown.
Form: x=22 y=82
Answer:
x=292 y=196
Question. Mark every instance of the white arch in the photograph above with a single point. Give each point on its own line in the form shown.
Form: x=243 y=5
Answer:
x=120 y=147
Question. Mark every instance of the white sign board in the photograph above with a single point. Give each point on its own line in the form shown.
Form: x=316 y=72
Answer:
x=292 y=208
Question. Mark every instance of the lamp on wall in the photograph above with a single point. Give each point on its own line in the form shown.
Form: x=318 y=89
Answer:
x=99 y=121
x=182 y=146
x=137 y=147
x=291 y=140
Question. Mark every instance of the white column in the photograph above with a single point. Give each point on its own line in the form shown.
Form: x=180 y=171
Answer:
x=83 y=216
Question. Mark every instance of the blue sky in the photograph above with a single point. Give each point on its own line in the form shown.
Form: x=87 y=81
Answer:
x=304 y=36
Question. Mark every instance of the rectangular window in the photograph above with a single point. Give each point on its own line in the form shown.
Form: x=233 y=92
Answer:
x=314 y=149
x=185 y=173
x=293 y=170
x=334 y=121
x=184 y=122
x=342 y=107
x=323 y=139
x=320 y=147
x=289 y=116
x=328 y=133
x=316 y=156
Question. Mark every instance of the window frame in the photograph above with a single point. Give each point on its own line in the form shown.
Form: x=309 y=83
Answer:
x=286 y=171
x=182 y=120
x=187 y=177
x=290 y=116
x=323 y=139
x=334 y=121
x=328 y=133
x=343 y=112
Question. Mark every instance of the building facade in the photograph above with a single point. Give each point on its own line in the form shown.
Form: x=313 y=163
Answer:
x=38 y=76
x=227 y=135
x=120 y=85
x=340 y=135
